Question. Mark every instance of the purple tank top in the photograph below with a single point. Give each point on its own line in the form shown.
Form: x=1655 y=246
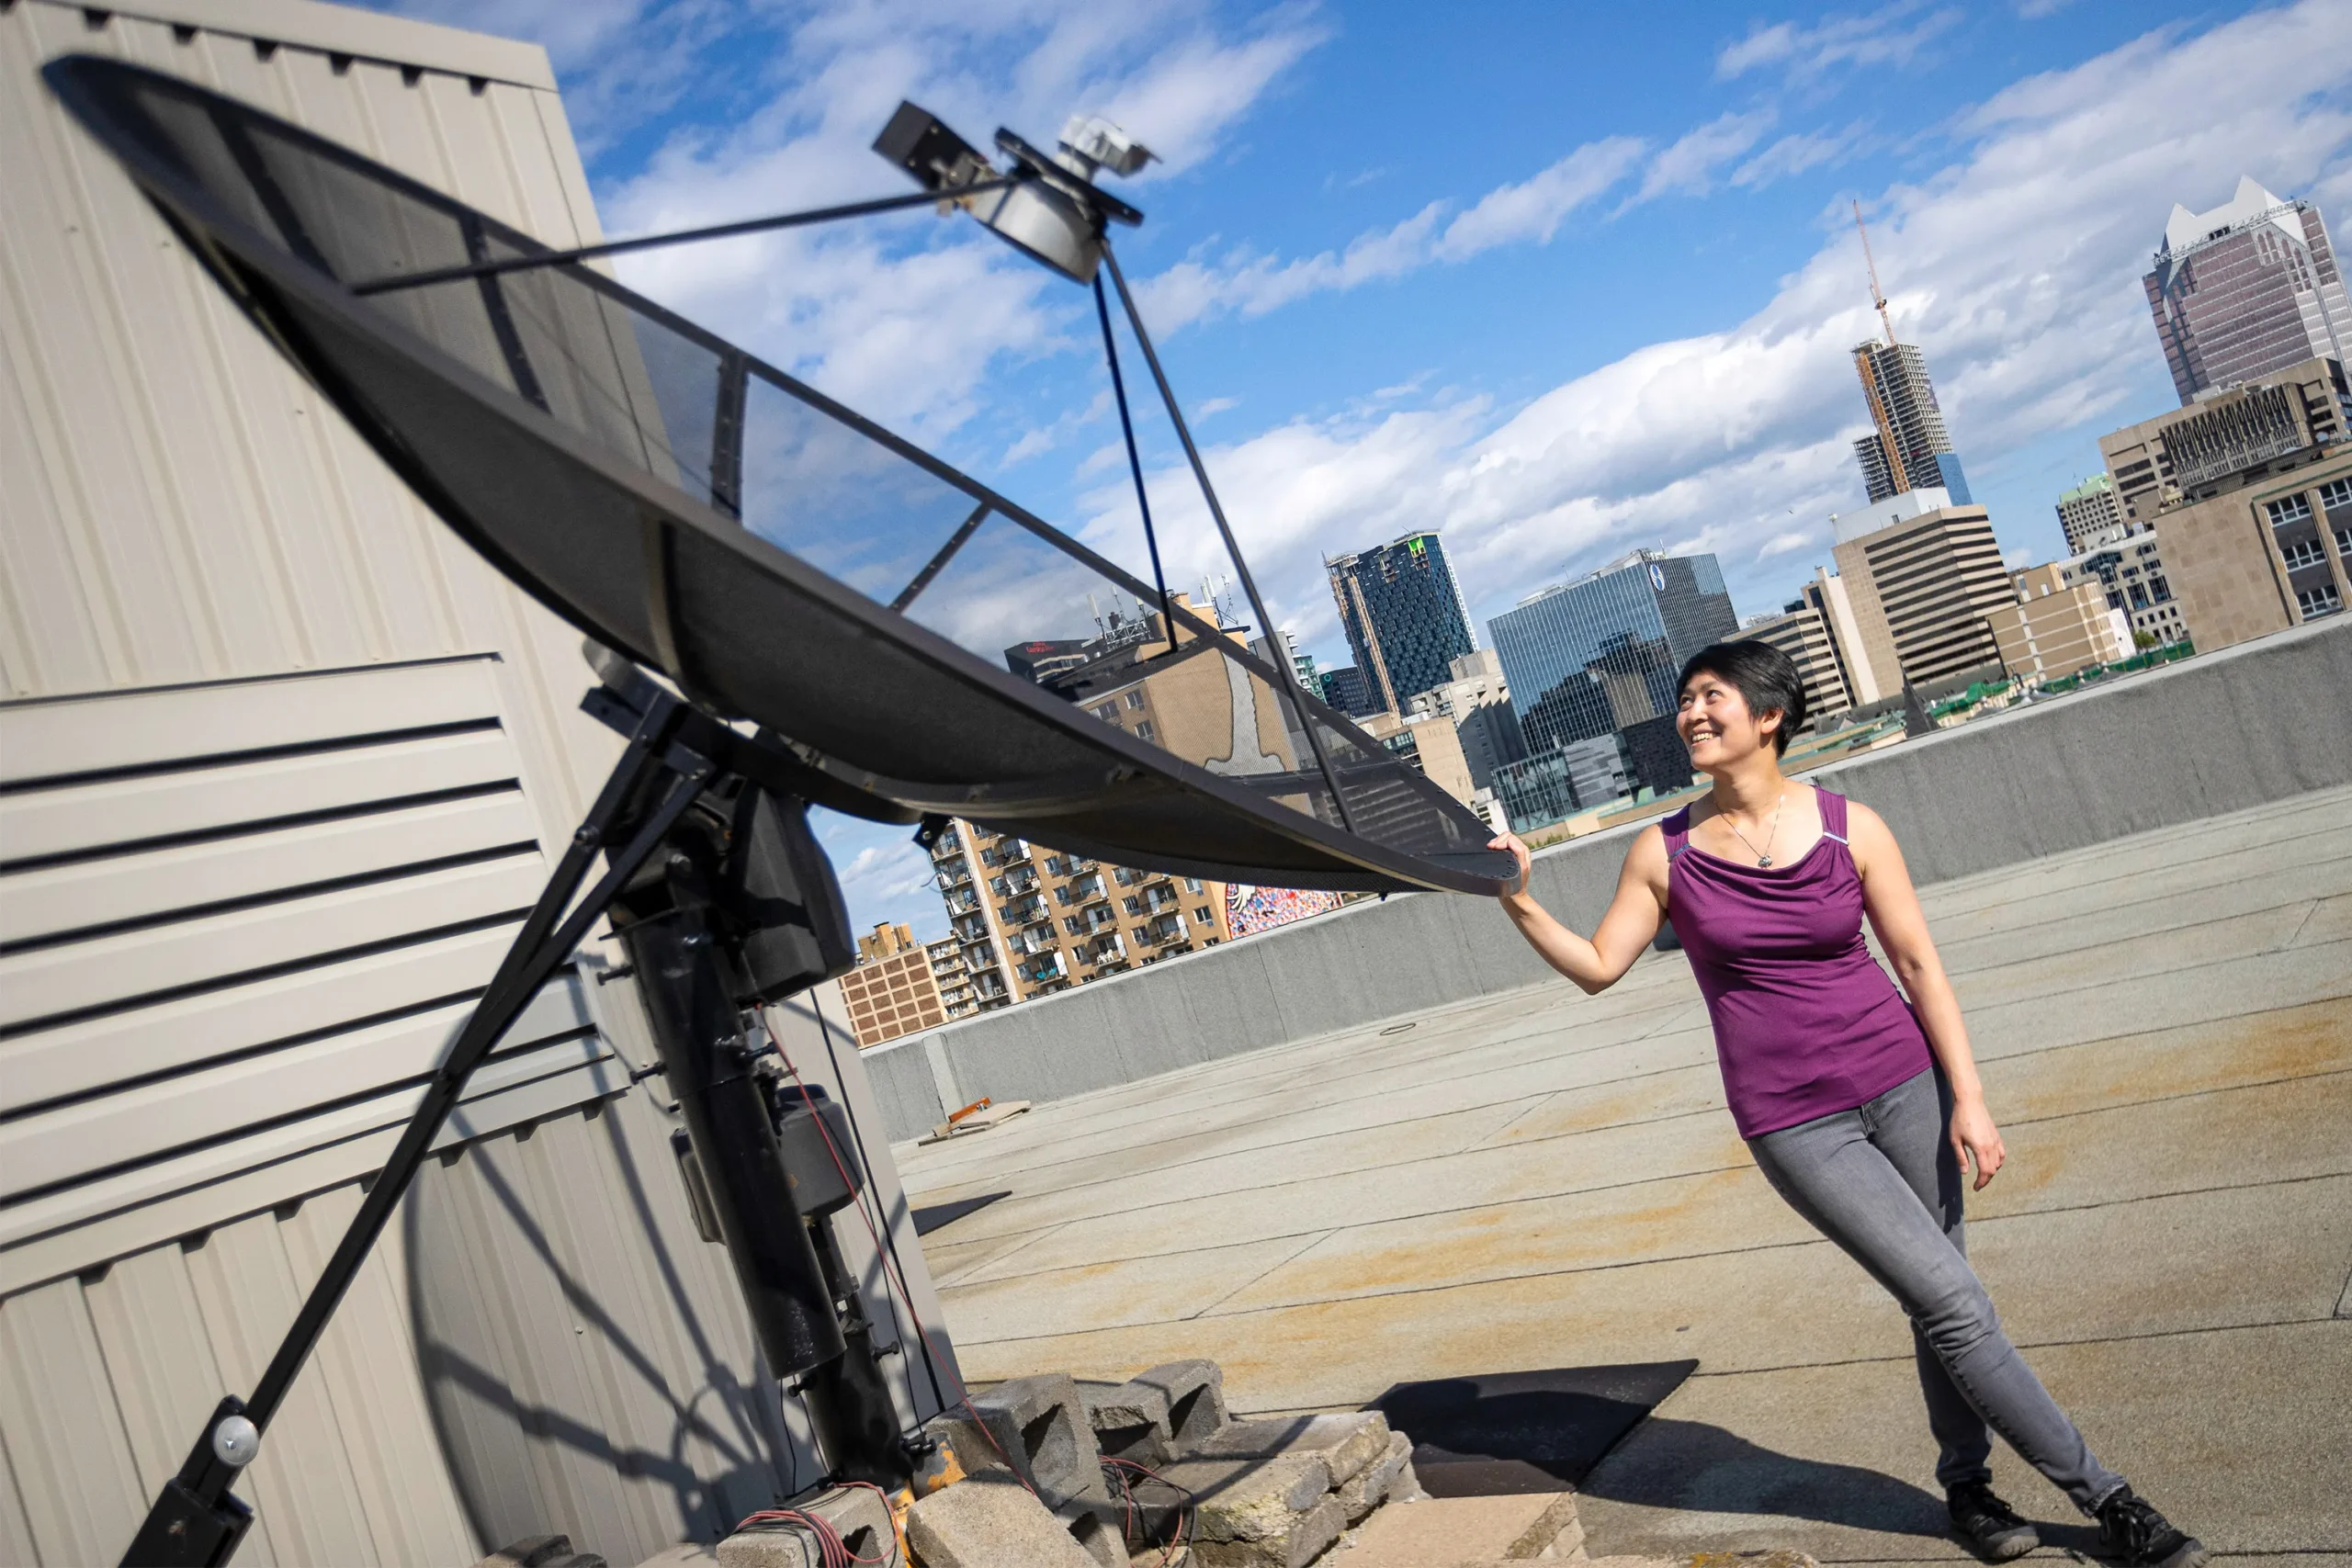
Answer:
x=1806 y=1022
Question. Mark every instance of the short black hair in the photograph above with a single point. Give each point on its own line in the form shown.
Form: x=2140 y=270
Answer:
x=1767 y=679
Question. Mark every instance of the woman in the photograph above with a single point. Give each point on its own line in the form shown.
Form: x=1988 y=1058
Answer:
x=1860 y=1110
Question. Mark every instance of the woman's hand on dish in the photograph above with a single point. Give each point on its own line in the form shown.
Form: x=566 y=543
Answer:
x=1509 y=840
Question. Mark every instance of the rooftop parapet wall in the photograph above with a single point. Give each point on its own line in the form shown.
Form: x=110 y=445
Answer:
x=2259 y=722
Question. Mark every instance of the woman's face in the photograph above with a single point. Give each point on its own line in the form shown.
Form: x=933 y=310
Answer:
x=1715 y=724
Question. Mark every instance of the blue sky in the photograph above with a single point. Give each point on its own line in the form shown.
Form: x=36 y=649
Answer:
x=1559 y=280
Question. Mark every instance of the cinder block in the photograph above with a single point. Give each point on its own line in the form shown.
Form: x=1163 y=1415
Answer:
x=1346 y=1443
x=1130 y=1421
x=860 y=1517
x=1254 y=1498
x=1309 y=1536
x=1100 y=1528
x=1157 y=1415
x=1192 y=1391
x=990 y=1520
x=1038 y=1428
x=1368 y=1487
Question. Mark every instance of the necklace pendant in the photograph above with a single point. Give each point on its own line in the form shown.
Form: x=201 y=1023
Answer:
x=1762 y=860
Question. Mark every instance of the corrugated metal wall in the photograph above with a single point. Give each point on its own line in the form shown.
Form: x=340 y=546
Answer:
x=278 y=762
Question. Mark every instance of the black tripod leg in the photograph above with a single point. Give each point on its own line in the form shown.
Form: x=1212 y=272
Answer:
x=195 y=1520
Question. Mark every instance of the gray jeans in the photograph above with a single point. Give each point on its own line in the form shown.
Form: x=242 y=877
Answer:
x=1882 y=1182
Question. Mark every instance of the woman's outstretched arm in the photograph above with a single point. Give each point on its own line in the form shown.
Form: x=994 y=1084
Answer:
x=1628 y=927
x=1894 y=908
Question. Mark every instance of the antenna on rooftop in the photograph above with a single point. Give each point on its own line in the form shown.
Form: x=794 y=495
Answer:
x=1877 y=297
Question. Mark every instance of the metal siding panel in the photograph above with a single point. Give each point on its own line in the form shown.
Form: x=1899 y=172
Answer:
x=340 y=613
x=15 y=1527
x=716 y=1395
x=346 y=29
x=368 y=1363
x=67 y=349
x=569 y=1234
x=41 y=822
x=581 y=1229
x=64 y=1434
x=301 y=1480
x=47 y=639
x=78 y=1140
x=131 y=730
x=125 y=1048
x=656 y=1418
x=84 y=895
x=50 y=1239
x=571 y=1459
x=152 y=1333
x=178 y=330
x=47 y=982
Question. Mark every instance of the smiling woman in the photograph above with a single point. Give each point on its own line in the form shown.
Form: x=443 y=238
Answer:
x=1862 y=1108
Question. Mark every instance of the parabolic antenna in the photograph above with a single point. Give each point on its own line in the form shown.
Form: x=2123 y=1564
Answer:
x=783 y=559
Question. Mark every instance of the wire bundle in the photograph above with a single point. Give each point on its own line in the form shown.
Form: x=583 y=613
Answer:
x=1123 y=1474
x=832 y=1552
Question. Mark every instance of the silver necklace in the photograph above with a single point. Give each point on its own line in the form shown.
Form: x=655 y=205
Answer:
x=1764 y=856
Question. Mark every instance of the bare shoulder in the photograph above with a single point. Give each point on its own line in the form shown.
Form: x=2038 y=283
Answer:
x=1860 y=819
x=1871 y=840
x=1645 y=856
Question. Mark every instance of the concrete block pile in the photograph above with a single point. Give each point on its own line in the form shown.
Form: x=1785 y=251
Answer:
x=1266 y=1493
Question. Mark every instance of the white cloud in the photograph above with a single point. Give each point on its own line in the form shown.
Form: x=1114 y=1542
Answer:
x=1883 y=37
x=1781 y=544
x=901 y=318
x=1689 y=164
x=1534 y=209
x=2016 y=267
x=1249 y=283
x=1794 y=155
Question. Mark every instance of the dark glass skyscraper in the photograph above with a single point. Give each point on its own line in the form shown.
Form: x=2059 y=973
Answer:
x=1601 y=654
x=1402 y=612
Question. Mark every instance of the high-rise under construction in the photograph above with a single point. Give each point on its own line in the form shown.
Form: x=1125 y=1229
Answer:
x=1910 y=449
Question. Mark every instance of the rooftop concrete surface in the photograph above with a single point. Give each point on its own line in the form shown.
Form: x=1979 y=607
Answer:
x=1548 y=1180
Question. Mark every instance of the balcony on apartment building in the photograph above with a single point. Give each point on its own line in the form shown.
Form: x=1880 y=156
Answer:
x=1112 y=949
x=1045 y=967
x=954 y=873
x=1085 y=890
x=1165 y=930
x=1027 y=911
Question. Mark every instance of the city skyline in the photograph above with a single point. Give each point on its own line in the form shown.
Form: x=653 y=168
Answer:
x=1555 y=325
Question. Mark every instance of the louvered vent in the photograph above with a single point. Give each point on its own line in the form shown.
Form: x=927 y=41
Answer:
x=239 y=924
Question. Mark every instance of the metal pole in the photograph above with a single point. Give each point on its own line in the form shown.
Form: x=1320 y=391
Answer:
x=684 y=236
x=1281 y=655
x=1135 y=461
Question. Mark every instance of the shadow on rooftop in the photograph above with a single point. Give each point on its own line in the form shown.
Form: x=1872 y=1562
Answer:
x=1692 y=1467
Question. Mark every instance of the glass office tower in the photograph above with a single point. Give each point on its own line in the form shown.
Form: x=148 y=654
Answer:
x=1404 y=618
x=1600 y=655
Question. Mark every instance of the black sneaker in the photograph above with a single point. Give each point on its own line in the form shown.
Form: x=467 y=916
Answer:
x=2132 y=1532
x=1988 y=1525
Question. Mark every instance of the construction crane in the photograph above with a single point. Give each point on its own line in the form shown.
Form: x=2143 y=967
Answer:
x=1890 y=440
x=1877 y=297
